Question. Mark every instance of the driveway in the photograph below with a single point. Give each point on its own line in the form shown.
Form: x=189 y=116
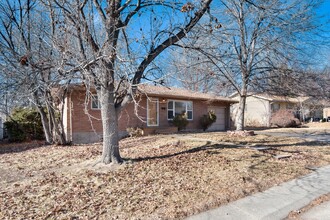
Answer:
x=308 y=134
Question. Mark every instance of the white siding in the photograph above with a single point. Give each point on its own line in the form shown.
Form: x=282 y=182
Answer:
x=257 y=112
x=326 y=112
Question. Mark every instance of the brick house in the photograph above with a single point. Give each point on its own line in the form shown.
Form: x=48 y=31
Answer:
x=153 y=111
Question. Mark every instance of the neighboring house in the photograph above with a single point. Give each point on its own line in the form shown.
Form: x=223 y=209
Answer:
x=315 y=109
x=153 y=112
x=326 y=113
x=260 y=107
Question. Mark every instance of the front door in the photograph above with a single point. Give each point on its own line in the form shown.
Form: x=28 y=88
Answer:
x=152 y=112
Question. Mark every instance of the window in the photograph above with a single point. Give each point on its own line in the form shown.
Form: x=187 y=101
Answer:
x=95 y=102
x=179 y=107
x=152 y=112
x=275 y=107
x=289 y=106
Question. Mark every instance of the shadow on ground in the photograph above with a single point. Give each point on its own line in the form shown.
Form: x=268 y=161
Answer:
x=6 y=147
x=273 y=150
x=207 y=146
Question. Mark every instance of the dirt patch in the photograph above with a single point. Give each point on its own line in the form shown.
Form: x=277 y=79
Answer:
x=163 y=177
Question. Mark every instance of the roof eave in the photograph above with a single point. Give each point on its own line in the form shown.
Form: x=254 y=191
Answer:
x=190 y=98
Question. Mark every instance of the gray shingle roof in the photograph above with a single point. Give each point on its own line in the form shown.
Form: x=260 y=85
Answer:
x=179 y=93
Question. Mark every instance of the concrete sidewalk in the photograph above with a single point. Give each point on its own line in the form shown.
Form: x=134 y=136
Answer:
x=276 y=202
x=320 y=212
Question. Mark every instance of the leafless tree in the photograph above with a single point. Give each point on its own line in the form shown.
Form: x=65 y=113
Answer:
x=253 y=38
x=295 y=82
x=113 y=45
x=28 y=62
x=190 y=71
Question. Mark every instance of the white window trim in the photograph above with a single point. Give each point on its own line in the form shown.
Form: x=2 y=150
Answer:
x=98 y=102
x=173 y=109
x=157 y=100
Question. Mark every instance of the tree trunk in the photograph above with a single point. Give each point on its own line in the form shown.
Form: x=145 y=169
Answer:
x=58 y=134
x=45 y=125
x=241 y=110
x=44 y=119
x=240 y=114
x=110 y=153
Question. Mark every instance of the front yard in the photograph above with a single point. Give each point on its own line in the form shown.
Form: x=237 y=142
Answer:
x=164 y=176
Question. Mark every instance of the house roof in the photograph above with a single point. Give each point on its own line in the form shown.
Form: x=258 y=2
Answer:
x=180 y=93
x=278 y=98
x=275 y=98
x=171 y=92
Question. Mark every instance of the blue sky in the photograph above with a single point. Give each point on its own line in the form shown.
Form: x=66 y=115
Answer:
x=325 y=8
x=324 y=11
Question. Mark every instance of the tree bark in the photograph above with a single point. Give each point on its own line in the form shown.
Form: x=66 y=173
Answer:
x=241 y=110
x=58 y=134
x=44 y=121
x=110 y=153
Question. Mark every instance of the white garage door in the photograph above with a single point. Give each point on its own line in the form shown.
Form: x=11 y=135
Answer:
x=220 y=124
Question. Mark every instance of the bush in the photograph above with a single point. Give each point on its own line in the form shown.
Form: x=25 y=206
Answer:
x=207 y=120
x=135 y=132
x=284 y=119
x=180 y=121
x=24 y=124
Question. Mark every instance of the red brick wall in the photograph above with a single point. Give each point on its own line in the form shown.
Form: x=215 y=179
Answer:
x=128 y=115
x=86 y=121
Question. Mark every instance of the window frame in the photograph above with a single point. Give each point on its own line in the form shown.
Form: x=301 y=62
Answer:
x=290 y=106
x=93 y=97
x=173 y=109
x=157 y=101
x=273 y=105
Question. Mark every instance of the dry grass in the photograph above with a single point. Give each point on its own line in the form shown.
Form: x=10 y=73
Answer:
x=318 y=125
x=314 y=127
x=164 y=177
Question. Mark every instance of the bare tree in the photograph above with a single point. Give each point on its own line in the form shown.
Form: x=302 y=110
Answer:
x=190 y=71
x=255 y=38
x=114 y=43
x=28 y=62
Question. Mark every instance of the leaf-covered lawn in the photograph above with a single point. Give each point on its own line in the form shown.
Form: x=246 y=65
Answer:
x=164 y=176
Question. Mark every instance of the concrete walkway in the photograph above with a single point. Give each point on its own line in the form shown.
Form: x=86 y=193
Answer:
x=277 y=202
x=320 y=135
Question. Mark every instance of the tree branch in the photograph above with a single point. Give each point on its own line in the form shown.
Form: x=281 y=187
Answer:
x=170 y=41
